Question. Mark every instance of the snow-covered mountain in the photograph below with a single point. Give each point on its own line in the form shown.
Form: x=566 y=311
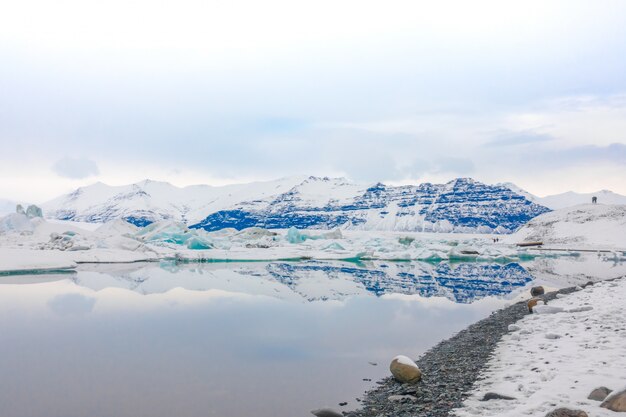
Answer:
x=461 y=205
x=148 y=201
x=568 y=199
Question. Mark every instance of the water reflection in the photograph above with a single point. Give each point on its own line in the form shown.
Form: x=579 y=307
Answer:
x=318 y=280
x=461 y=283
x=253 y=339
x=201 y=340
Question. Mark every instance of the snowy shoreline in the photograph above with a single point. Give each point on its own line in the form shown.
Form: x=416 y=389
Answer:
x=19 y=260
x=530 y=361
x=557 y=358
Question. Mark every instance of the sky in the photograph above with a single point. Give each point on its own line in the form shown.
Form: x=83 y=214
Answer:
x=221 y=92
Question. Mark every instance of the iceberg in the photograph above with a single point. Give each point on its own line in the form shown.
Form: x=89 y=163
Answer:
x=33 y=211
x=198 y=243
x=16 y=222
x=165 y=232
x=296 y=236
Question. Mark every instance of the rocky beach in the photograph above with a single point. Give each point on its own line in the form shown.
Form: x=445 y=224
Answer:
x=458 y=373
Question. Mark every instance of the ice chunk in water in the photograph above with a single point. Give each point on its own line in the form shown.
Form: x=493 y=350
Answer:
x=166 y=232
x=199 y=243
x=295 y=236
x=254 y=233
x=177 y=233
x=33 y=211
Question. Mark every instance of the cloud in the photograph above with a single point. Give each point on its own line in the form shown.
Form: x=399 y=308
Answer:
x=277 y=125
x=455 y=165
x=519 y=138
x=75 y=168
x=614 y=153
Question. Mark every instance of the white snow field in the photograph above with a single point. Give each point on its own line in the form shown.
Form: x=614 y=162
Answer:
x=587 y=226
x=569 y=198
x=556 y=360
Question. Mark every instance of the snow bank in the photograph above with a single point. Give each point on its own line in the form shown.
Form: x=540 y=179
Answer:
x=586 y=226
x=22 y=260
x=17 y=223
x=556 y=360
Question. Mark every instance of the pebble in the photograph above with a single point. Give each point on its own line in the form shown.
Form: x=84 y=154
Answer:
x=566 y=412
x=599 y=394
x=402 y=398
x=495 y=396
x=326 y=412
x=616 y=402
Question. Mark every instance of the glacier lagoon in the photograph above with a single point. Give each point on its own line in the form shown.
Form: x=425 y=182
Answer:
x=238 y=339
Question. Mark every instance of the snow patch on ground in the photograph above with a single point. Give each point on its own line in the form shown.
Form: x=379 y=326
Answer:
x=594 y=226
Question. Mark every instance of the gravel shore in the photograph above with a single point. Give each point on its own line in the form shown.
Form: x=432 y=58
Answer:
x=449 y=369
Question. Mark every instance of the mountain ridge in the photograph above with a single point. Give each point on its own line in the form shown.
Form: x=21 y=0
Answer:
x=460 y=205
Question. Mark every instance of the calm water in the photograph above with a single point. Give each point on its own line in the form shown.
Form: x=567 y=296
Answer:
x=236 y=339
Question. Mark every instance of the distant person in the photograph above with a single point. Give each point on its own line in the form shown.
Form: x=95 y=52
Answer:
x=594 y=199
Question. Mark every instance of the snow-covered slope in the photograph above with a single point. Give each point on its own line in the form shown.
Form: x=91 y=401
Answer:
x=556 y=360
x=568 y=199
x=521 y=191
x=571 y=198
x=462 y=205
x=589 y=225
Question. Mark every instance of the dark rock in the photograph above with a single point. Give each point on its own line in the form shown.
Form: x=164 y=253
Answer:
x=405 y=370
x=495 y=396
x=616 y=402
x=537 y=291
x=566 y=412
x=326 y=412
x=532 y=303
x=599 y=394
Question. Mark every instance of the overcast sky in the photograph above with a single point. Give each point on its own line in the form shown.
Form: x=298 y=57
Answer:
x=532 y=92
